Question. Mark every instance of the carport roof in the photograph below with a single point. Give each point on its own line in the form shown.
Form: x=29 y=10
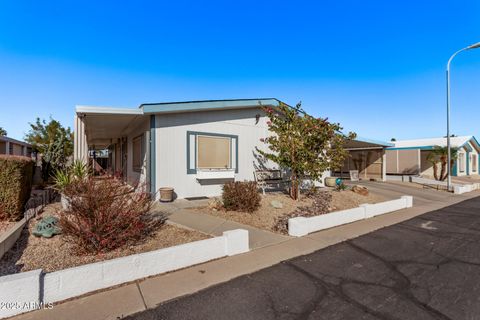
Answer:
x=185 y=106
x=364 y=143
x=206 y=105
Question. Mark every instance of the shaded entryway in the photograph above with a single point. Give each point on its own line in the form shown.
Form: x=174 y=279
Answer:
x=367 y=157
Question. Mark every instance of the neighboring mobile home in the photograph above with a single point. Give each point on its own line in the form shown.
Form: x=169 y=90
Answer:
x=367 y=157
x=409 y=157
x=194 y=147
x=14 y=147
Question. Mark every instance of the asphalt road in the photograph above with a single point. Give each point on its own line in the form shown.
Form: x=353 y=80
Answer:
x=424 y=268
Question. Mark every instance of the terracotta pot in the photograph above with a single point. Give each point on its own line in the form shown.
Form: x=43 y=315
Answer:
x=166 y=194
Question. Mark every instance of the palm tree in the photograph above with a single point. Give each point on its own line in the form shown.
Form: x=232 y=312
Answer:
x=3 y=132
x=440 y=154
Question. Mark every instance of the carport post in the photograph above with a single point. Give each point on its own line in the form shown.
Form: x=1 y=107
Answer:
x=449 y=169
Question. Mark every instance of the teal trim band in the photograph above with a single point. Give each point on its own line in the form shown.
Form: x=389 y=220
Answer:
x=468 y=163
x=467 y=147
x=189 y=170
x=412 y=148
x=196 y=133
x=372 y=141
x=153 y=176
x=454 y=169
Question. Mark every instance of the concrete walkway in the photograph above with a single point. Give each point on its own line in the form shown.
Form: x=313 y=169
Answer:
x=178 y=214
x=148 y=293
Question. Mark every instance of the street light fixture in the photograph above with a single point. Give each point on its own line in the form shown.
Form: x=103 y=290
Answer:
x=449 y=169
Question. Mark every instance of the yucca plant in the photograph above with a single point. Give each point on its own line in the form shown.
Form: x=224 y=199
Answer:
x=79 y=170
x=62 y=179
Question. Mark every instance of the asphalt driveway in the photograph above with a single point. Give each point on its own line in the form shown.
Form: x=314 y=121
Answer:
x=424 y=268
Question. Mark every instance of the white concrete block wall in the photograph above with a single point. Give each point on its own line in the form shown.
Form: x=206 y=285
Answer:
x=31 y=288
x=19 y=293
x=65 y=284
x=326 y=221
x=236 y=242
x=8 y=238
x=372 y=210
x=302 y=226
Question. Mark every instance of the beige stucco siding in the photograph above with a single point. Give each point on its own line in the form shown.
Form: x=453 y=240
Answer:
x=403 y=161
x=392 y=161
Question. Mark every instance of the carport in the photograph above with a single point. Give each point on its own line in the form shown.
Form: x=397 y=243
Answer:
x=367 y=157
x=124 y=133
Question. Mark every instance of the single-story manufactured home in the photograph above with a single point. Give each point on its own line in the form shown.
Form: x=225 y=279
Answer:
x=14 y=147
x=367 y=157
x=409 y=157
x=193 y=147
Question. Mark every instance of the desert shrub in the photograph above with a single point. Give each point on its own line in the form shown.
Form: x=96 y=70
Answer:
x=320 y=205
x=241 y=196
x=16 y=175
x=105 y=214
x=62 y=178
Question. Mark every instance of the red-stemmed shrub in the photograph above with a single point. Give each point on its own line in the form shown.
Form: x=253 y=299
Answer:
x=105 y=214
x=241 y=196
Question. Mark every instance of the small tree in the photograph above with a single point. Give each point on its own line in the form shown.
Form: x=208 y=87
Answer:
x=3 y=132
x=440 y=154
x=305 y=145
x=53 y=141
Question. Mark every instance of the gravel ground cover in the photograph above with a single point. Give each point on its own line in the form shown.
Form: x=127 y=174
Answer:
x=266 y=216
x=53 y=254
x=5 y=226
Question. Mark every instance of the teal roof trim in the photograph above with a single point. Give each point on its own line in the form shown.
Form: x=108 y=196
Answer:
x=467 y=146
x=191 y=106
x=372 y=141
x=412 y=148
x=475 y=144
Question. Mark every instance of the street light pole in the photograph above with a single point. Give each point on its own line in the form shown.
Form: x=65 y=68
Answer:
x=449 y=169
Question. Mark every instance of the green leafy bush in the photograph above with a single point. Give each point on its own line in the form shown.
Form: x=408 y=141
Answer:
x=16 y=175
x=341 y=187
x=241 y=196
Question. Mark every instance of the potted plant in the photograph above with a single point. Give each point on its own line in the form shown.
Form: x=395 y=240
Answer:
x=63 y=178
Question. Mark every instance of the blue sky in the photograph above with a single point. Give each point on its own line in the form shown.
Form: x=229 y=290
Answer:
x=377 y=67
